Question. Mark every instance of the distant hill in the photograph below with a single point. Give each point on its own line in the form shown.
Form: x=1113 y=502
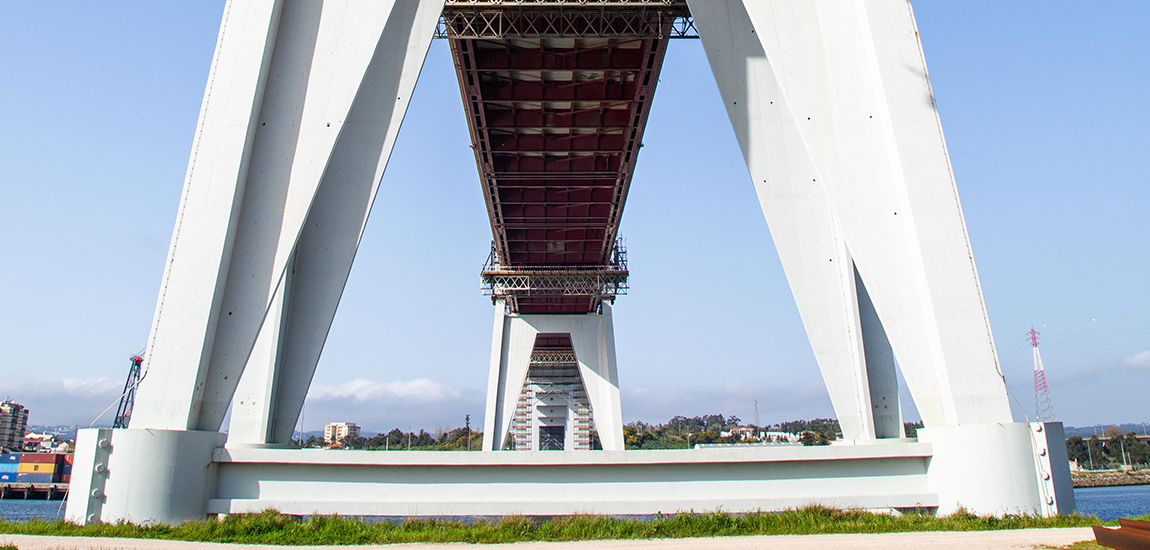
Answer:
x=61 y=432
x=1086 y=431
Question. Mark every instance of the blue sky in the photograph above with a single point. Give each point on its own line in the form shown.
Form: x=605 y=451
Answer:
x=1045 y=113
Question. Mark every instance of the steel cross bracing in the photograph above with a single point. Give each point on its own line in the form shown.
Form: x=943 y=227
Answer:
x=585 y=286
x=556 y=113
x=566 y=20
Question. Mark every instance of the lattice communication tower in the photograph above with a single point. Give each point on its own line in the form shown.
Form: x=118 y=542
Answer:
x=1043 y=406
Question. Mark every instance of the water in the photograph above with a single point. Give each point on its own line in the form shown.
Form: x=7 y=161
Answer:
x=1105 y=502
x=24 y=510
x=1113 y=502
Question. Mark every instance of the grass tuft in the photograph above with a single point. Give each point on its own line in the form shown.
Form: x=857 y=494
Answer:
x=1081 y=545
x=272 y=527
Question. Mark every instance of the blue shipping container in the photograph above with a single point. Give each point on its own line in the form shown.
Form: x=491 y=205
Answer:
x=65 y=469
x=33 y=478
x=8 y=467
x=7 y=478
x=7 y=458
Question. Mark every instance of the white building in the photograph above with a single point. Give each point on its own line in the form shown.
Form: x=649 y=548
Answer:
x=39 y=443
x=334 y=432
x=13 y=421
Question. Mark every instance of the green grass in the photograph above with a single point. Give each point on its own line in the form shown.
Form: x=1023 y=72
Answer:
x=1083 y=545
x=271 y=527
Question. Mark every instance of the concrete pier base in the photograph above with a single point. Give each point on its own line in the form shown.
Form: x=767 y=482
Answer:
x=1000 y=468
x=149 y=476
x=142 y=476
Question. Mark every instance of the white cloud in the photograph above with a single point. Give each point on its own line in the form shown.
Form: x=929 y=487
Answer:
x=416 y=404
x=1139 y=360
x=361 y=389
x=90 y=387
x=63 y=402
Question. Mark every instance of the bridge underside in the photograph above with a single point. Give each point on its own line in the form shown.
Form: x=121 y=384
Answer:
x=297 y=127
x=557 y=98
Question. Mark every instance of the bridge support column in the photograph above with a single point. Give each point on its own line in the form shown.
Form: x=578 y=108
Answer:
x=303 y=104
x=142 y=475
x=1000 y=469
x=592 y=338
x=834 y=113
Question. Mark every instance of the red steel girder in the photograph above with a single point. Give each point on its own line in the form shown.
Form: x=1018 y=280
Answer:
x=556 y=125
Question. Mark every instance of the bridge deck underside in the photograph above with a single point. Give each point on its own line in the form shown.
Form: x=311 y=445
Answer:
x=556 y=124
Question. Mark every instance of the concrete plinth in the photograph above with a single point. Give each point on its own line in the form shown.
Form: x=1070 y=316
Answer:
x=159 y=476
x=142 y=476
x=1000 y=469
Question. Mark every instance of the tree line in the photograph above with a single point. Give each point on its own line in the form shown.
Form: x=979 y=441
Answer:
x=457 y=439
x=1110 y=451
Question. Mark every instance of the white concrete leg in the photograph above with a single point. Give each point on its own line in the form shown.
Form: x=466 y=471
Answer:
x=254 y=404
x=143 y=476
x=882 y=380
x=511 y=344
x=303 y=106
x=593 y=339
x=798 y=211
x=843 y=87
x=1000 y=469
x=330 y=235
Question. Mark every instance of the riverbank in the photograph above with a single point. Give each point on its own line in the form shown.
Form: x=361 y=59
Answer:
x=1017 y=538
x=1110 y=478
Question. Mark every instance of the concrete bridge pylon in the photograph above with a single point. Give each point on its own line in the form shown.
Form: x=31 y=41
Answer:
x=832 y=108
x=514 y=343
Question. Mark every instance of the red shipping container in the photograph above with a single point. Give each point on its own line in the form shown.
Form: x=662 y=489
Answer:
x=38 y=458
x=68 y=458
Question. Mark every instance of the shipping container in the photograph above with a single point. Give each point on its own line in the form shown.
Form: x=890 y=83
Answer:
x=33 y=478
x=63 y=478
x=9 y=458
x=65 y=469
x=8 y=477
x=68 y=458
x=36 y=468
x=8 y=467
x=39 y=458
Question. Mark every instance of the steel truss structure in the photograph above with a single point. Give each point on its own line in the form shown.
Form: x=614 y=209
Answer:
x=128 y=398
x=557 y=96
x=475 y=20
x=509 y=283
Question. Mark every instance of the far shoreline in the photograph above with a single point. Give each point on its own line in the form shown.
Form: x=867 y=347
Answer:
x=1109 y=478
